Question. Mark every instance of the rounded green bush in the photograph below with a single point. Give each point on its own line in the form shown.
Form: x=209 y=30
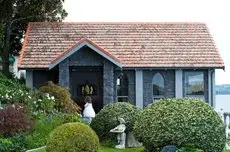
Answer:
x=73 y=137
x=107 y=118
x=180 y=122
x=63 y=101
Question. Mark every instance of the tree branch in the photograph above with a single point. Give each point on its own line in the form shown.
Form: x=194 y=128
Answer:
x=15 y=34
x=19 y=19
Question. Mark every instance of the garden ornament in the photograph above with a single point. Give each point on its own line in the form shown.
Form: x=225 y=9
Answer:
x=121 y=135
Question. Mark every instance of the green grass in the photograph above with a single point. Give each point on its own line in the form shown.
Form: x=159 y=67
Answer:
x=106 y=149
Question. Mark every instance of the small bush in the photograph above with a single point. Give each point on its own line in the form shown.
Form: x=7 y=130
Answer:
x=44 y=125
x=45 y=104
x=13 y=91
x=63 y=101
x=14 y=120
x=180 y=122
x=76 y=137
x=107 y=118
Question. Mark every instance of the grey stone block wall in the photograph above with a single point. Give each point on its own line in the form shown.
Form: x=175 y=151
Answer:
x=108 y=83
x=64 y=74
x=169 y=77
x=85 y=57
x=131 y=81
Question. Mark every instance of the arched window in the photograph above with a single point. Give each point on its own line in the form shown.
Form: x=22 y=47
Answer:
x=122 y=88
x=158 y=86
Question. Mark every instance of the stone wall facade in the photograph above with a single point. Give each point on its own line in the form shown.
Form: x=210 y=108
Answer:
x=87 y=57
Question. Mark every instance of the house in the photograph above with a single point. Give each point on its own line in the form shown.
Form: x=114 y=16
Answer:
x=134 y=62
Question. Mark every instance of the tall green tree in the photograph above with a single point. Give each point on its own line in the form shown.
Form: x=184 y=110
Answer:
x=14 y=17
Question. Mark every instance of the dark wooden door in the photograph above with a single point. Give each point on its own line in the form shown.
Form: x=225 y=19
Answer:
x=91 y=76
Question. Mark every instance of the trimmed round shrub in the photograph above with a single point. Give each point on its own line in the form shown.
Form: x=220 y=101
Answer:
x=63 y=101
x=107 y=118
x=180 y=122
x=76 y=137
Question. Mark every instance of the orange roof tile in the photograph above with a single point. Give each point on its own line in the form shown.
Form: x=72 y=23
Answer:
x=133 y=44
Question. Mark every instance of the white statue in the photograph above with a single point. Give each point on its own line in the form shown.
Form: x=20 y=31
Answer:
x=88 y=113
x=121 y=135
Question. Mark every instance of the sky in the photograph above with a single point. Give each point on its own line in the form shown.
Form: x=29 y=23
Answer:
x=215 y=13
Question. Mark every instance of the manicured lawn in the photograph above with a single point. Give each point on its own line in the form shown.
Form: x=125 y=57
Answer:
x=106 y=149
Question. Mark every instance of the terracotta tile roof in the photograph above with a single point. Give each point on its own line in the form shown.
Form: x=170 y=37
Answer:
x=133 y=44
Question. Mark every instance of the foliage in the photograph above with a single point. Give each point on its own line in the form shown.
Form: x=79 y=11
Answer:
x=14 y=91
x=14 y=120
x=73 y=137
x=15 y=14
x=16 y=143
x=19 y=143
x=44 y=104
x=107 y=118
x=63 y=101
x=189 y=149
x=44 y=125
x=5 y=145
x=180 y=122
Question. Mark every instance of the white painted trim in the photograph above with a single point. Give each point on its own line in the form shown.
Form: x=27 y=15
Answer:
x=29 y=78
x=209 y=87
x=214 y=89
x=139 y=88
x=74 y=50
x=178 y=83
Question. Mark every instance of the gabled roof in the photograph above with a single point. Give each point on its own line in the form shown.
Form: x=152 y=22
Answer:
x=154 y=45
x=80 y=44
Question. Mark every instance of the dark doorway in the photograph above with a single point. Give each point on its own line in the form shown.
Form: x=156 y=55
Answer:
x=82 y=76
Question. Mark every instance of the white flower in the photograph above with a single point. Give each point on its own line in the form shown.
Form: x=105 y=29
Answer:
x=52 y=98
x=47 y=95
x=7 y=96
x=29 y=97
x=40 y=100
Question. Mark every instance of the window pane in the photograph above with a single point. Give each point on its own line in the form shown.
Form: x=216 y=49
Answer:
x=122 y=85
x=122 y=99
x=158 y=85
x=194 y=83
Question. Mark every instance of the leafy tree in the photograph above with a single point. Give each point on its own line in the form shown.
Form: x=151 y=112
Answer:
x=14 y=17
